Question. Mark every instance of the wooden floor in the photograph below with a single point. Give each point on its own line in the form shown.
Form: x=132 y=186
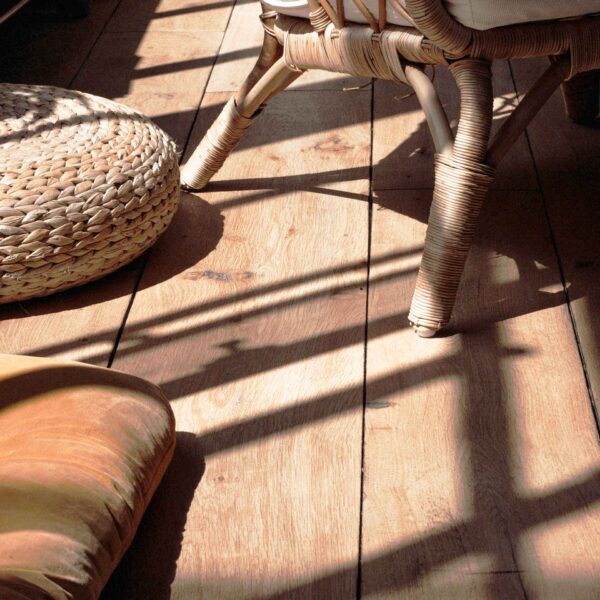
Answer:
x=324 y=451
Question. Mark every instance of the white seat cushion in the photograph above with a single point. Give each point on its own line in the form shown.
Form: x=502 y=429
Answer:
x=477 y=14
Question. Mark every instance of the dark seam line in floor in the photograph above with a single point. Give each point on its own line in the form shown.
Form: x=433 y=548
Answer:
x=93 y=46
x=121 y=331
x=366 y=342
x=138 y=281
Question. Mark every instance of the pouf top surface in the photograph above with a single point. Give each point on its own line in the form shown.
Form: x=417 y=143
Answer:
x=86 y=184
x=38 y=123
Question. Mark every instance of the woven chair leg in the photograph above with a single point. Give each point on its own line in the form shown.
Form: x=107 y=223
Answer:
x=461 y=183
x=269 y=76
x=581 y=95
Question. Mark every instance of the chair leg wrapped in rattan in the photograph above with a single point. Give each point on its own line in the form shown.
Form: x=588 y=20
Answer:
x=582 y=97
x=461 y=183
x=269 y=76
x=465 y=162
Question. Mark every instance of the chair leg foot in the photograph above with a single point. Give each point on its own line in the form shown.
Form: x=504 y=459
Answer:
x=423 y=331
x=581 y=95
x=269 y=76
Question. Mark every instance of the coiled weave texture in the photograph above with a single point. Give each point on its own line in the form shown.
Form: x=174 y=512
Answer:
x=460 y=188
x=461 y=183
x=86 y=185
x=353 y=49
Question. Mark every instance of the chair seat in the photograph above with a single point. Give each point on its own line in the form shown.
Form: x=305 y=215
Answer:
x=477 y=14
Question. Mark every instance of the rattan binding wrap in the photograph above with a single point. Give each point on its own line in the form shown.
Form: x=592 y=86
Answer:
x=582 y=96
x=86 y=185
x=461 y=183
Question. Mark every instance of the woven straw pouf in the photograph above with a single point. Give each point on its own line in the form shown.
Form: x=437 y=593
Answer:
x=86 y=185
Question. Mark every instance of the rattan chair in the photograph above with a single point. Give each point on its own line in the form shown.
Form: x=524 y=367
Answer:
x=465 y=161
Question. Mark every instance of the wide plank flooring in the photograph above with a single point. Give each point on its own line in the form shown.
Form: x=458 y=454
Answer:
x=324 y=451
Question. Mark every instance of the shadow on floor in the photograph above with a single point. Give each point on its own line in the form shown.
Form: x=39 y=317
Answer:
x=157 y=543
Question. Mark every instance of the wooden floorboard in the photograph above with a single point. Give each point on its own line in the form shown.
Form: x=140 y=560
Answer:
x=568 y=162
x=481 y=457
x=481 y=461
x=185 y=16
x=43 y=49
x=161 y=73
x=259 y=344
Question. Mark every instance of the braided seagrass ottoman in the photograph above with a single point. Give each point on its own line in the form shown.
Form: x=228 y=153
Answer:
x=86 y=185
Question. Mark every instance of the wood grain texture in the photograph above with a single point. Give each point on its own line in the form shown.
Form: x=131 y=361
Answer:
x=568 y=162
x=481 y=457
x=325 y=152
x=260 y=347
x=163 y=74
